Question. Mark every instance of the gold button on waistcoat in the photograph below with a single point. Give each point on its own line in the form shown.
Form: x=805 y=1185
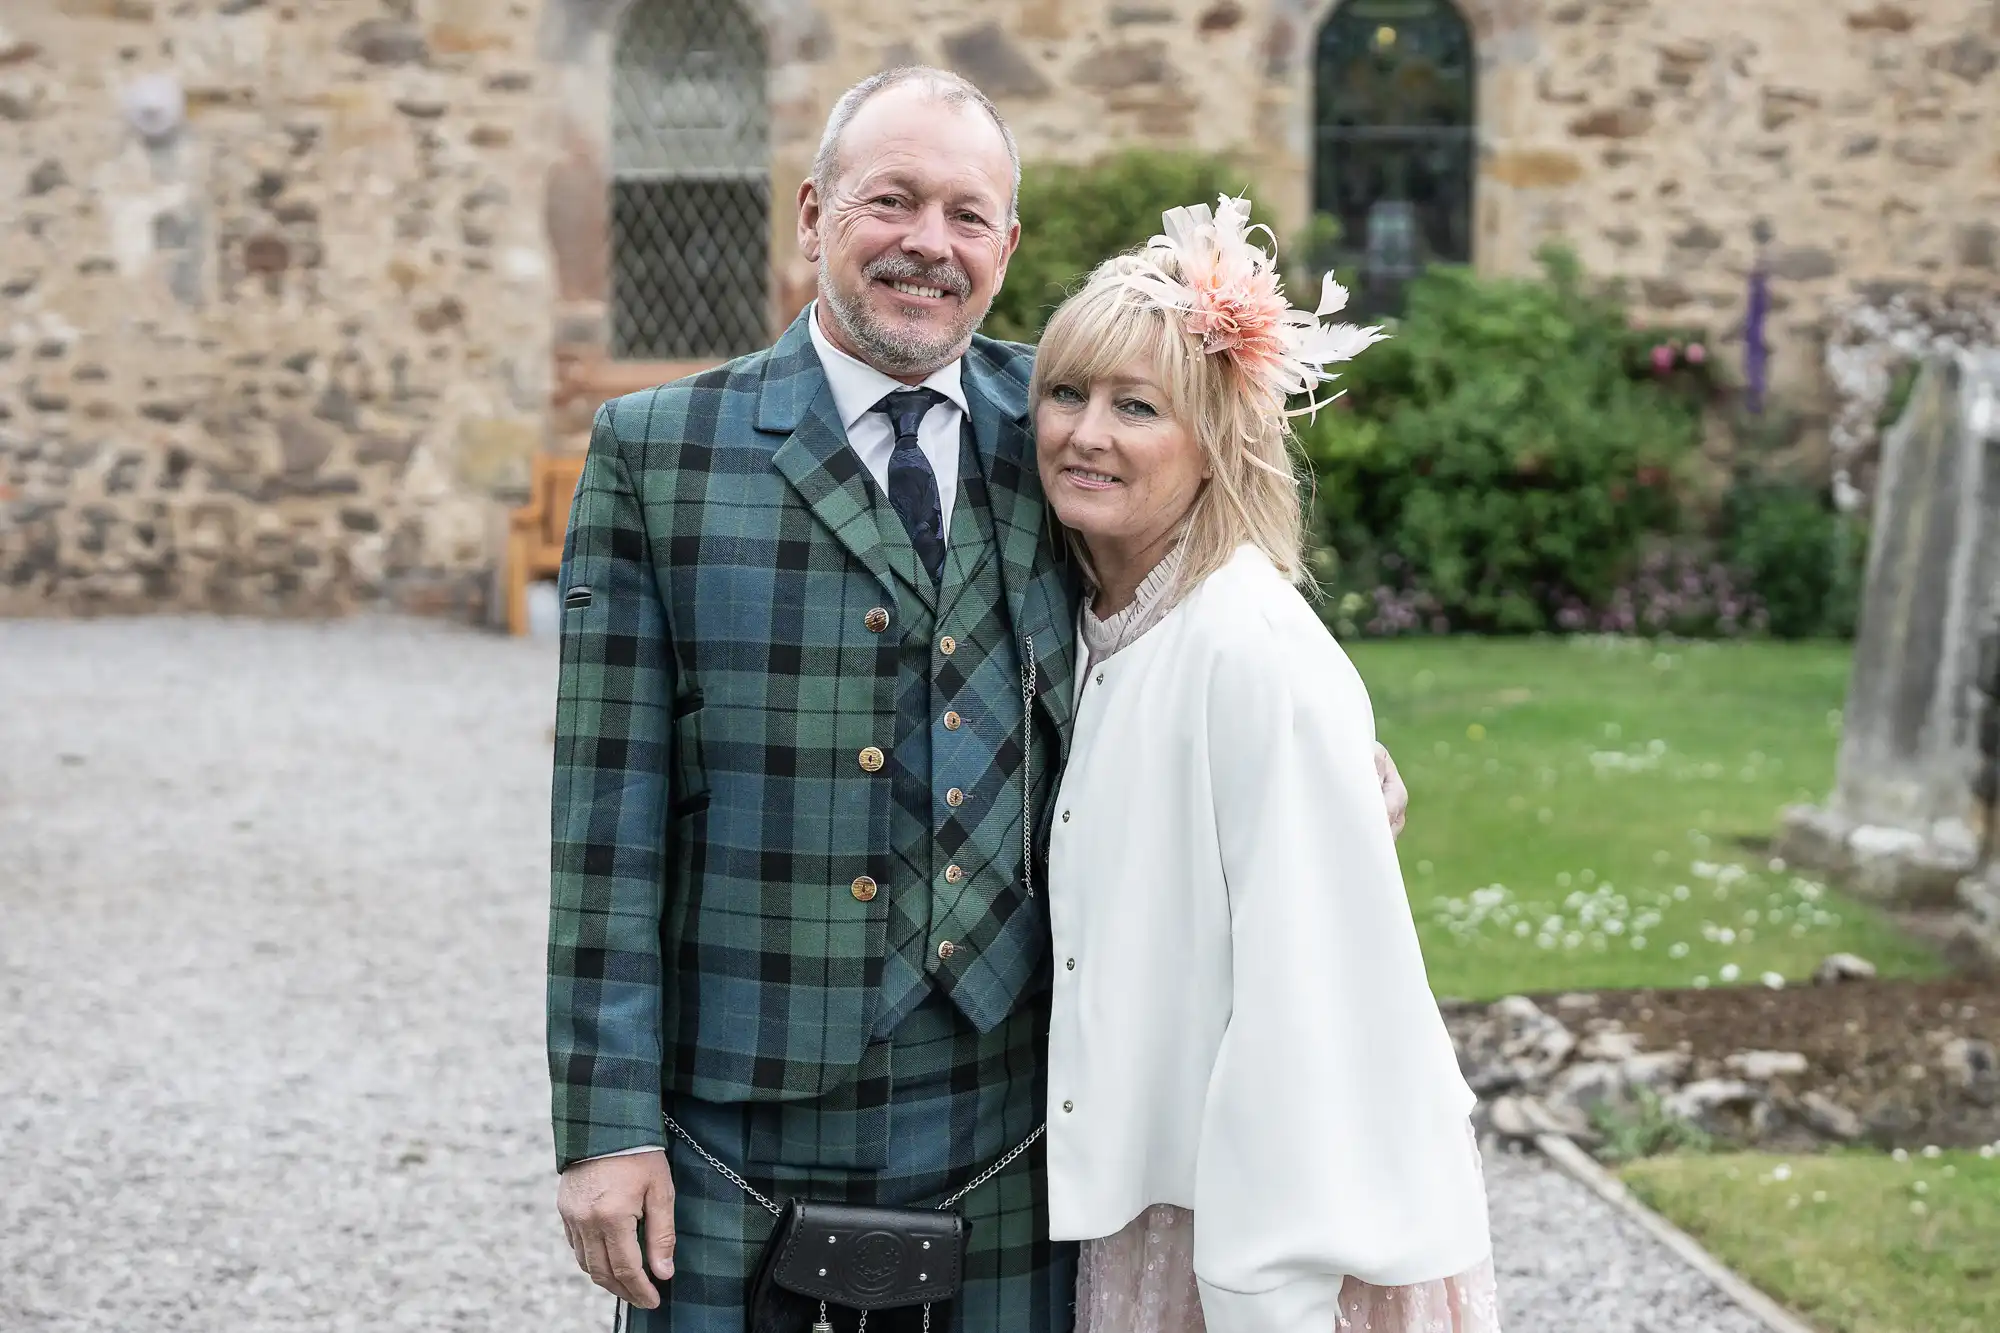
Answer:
x=876 y=620
x=947 y=645
x=864 y=889
x=871 y=760
x=954 y=797
x=952 y=721
x=947 y=949
x=953 y=874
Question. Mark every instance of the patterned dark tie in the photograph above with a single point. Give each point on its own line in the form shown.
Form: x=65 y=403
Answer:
x=912 y=484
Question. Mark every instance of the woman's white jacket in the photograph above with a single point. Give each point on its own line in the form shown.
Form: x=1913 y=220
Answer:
x=1242 y=1025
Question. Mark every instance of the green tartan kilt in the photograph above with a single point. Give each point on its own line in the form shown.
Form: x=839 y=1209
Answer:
x=955 y=1103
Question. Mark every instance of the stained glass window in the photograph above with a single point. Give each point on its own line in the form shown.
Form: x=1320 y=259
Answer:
x=691 y=182
x=1394 y=149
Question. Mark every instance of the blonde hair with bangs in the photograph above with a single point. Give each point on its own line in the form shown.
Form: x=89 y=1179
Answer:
x=1253 y=493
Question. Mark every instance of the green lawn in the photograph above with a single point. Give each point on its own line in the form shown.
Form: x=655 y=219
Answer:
x=1578 y=808
x=1855 y=1242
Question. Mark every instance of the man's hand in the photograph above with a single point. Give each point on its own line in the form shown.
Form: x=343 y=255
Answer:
x=1394 y=794
x=602 y=1202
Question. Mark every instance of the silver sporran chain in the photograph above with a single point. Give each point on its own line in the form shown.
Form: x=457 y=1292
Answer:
x=619 y=1320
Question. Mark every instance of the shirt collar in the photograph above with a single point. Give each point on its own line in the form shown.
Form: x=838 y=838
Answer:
x=858 y=386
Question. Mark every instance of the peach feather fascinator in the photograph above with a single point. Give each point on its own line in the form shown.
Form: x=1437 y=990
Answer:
x=1229 y=296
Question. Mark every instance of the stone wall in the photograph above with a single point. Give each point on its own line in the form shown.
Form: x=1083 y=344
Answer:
x=284 y=356
x=1654 y=134
x=1650 y=134
x=276 y=309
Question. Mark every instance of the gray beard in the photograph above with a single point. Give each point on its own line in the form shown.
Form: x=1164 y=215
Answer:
x=888 y=349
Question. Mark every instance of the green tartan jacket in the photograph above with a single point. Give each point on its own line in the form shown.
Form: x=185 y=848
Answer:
x=720 y=680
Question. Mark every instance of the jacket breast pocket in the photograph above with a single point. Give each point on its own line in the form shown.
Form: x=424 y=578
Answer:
x=689 y=770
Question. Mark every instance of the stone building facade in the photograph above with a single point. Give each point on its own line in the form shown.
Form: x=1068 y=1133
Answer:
x=291 y=290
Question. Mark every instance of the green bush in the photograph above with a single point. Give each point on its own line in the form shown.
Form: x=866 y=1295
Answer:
x=1506 y=453
x=1778 y=529
x=1496 y=465
x=1074 y=218
x=1805 y=560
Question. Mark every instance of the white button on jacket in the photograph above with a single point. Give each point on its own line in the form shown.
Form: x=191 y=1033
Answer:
x=1251 y=1033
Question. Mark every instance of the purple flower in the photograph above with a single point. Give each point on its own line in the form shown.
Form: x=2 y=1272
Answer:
x=1754 y=350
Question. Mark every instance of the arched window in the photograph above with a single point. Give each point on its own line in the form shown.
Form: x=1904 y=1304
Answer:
x=691 y=182
x=1393 y=152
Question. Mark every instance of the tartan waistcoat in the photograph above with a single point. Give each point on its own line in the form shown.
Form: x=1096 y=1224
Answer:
x=737 y=732
x=957 y=889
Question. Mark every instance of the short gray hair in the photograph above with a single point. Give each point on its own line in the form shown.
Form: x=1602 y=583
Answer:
x=954 y=90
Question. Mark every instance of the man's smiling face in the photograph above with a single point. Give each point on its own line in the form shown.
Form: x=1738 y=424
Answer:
x=912 y=237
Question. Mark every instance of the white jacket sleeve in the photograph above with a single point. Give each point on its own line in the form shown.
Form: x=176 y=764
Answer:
x=1333 y=1139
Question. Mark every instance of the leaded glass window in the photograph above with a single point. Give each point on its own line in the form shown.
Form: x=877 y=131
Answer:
x=691 y=182
x=1394 y=150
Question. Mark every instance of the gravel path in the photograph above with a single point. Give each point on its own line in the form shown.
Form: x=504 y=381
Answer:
x=271 y=915
x=1570 y=1263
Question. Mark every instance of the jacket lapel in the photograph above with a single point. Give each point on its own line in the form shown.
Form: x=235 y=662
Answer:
x=902 y=556
x=795 y=400
x=1036 y=579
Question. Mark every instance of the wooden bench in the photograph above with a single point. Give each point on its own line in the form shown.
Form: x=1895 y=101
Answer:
x=536 y=530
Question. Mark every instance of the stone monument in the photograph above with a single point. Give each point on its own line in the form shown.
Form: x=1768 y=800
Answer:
x=1910 y=821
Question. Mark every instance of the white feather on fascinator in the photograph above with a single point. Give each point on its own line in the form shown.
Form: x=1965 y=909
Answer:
x=1230 y=296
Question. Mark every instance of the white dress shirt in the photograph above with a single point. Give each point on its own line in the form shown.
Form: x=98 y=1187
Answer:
x=1242 y=1025
x=858 y=387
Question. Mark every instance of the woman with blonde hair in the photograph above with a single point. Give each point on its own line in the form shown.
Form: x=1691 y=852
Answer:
x=1257 y=1124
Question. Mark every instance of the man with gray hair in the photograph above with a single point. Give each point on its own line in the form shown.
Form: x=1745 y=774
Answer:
x=817 y=669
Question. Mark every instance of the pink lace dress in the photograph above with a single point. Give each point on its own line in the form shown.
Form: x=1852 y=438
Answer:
x=1142 y=1281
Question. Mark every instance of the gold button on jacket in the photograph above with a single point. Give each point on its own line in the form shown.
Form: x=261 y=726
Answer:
x=947 y=645
x=871 y=760
x=952 y=721
x=947 y=949
x=954 y=797
x=876 y=620
x=864 y=889
x=953 y=874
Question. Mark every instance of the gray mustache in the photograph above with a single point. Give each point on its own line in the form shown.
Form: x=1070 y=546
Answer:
x=898 y=268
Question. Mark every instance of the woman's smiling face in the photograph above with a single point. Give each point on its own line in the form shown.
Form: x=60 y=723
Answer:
x=1119 y=468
